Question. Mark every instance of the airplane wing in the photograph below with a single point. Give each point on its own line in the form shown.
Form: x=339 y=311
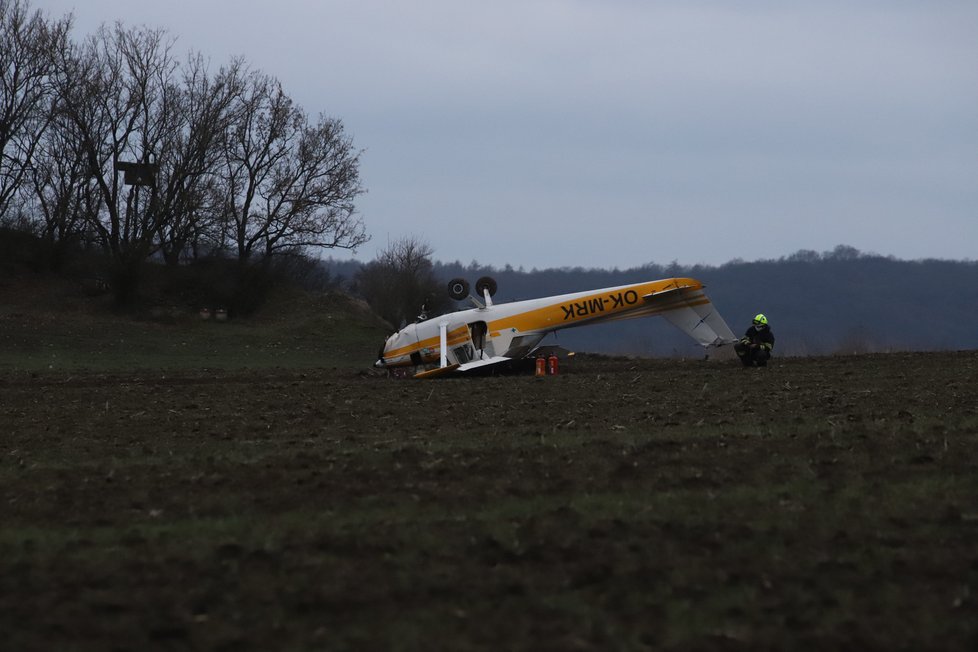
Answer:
x=453 y=369
x=438 y=371
x=690 y=310
x=487 y=362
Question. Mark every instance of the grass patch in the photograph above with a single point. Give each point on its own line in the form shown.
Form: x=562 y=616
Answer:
x=618 y=506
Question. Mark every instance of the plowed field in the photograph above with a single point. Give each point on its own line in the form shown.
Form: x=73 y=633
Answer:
x=825 y=503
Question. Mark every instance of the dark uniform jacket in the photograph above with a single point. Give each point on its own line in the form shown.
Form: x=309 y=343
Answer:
x=764 y=337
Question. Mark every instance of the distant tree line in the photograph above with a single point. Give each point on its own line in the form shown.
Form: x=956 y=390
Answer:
x=839 y=301
x=115 y=144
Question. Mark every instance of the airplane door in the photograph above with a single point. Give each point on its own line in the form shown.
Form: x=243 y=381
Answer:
x=478 y=331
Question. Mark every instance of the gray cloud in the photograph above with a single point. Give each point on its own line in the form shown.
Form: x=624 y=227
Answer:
x=552 y=133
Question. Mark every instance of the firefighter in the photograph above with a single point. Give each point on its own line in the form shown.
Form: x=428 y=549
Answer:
x=754 y=348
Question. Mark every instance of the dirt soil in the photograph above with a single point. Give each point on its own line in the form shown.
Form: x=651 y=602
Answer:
x=825 y=503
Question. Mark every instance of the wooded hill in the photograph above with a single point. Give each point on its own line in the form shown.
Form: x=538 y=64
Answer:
x=842 y=301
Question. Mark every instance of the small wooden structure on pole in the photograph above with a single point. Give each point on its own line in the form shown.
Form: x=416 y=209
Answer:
x=137 y=174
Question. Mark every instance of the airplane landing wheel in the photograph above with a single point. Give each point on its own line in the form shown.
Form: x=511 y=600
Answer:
x=486 y=283
x=458 y=288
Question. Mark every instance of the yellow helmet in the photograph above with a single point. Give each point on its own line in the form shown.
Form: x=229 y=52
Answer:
x=760 y=319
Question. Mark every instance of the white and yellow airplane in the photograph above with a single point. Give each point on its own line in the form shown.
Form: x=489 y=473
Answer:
x=491 y=334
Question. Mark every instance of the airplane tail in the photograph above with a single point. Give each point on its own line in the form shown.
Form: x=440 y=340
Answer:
x=697 y=317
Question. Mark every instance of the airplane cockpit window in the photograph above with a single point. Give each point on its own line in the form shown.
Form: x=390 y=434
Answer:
x=463 y=354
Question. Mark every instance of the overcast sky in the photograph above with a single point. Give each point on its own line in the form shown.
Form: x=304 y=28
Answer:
x=613 y=133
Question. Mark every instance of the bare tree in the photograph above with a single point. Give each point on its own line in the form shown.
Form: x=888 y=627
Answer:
x=400 y=284
x=191 y=197
x=155 y=157
x=288 y=184
x=27 y=45
x=117 y=93
x=63 y=192
x=129 y=102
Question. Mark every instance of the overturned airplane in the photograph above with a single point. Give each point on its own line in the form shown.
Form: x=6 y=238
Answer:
x=492 y=334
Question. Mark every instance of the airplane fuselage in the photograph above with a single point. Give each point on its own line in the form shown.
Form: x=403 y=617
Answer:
x=513 y=330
